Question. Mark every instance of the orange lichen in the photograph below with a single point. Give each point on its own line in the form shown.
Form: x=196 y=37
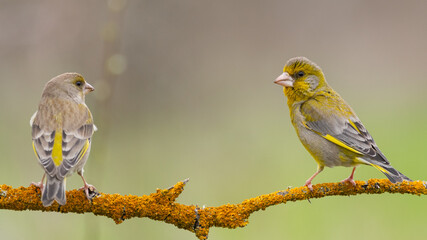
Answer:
x=161 y=205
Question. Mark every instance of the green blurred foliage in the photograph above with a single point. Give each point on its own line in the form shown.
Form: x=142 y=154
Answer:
x=188 y=92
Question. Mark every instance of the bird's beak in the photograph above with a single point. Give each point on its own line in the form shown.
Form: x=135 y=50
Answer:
x=88 y=88
x=284 y=80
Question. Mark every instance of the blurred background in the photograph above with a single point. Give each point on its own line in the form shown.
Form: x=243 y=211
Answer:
x=184 y=89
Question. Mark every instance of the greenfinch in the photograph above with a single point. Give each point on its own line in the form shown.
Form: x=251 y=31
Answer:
x=326 y=125
x=62 y=129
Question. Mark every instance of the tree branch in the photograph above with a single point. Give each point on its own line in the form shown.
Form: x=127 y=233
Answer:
x=161 y=205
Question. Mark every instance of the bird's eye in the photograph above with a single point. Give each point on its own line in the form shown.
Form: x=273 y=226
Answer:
x=300 y=74
x=79 y=83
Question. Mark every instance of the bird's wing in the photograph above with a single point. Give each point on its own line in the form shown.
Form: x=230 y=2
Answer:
x=335 y=121
x=43 y=145
x=75 y=145
x=60 y=150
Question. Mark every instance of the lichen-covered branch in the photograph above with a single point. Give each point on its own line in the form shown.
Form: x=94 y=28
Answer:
x=161 y=205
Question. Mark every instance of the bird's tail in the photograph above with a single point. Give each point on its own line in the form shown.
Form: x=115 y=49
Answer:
x=53 y=190
x=392 y=174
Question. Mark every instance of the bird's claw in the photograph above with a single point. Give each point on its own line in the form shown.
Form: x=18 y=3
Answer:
x=89 y=190
x=38 y=184
x=349 y=180
x=309 y=185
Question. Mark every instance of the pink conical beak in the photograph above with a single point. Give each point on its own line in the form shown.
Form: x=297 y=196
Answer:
x=284 y=80
x=88 y=88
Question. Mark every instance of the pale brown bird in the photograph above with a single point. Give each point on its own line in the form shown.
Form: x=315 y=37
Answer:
x=62 y=129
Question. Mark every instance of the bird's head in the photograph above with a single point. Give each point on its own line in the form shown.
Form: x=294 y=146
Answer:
x=68 y=85
x=301 y=78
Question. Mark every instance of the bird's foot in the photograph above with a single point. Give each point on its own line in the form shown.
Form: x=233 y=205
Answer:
x=90 y=191
x=38 y=184
x=309 y=185
x=349 y=180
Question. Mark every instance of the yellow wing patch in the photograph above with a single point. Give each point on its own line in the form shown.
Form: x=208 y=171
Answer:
x=57 y=148
x=379 y=168
x=353 y=125
x=334 y=140
x=35 y=152
x=341 y=144
x=84 y=150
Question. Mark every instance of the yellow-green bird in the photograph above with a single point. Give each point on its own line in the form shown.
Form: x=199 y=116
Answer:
x=326 y=125
x=62 y=129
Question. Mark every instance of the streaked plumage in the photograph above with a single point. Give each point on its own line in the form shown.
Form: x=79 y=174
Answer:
x=326 y=125
x=62 y=129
